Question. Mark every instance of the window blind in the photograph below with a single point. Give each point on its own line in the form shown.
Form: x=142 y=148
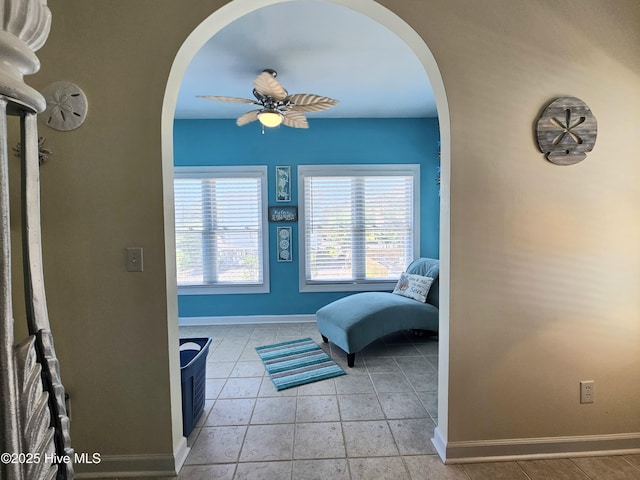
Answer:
x=358 y=228
x=219 y=238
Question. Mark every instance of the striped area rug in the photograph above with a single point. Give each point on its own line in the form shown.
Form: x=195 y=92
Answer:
x=297 y=362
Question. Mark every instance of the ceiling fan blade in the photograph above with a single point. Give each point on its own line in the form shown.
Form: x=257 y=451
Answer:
x=295 y=119
x=266 y=85
x=228 y=99
x=308 y=102
x=248 y=117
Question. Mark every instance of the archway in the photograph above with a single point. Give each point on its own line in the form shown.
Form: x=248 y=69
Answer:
x=208 y=28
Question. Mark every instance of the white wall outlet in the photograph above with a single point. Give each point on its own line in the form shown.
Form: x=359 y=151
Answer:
x=134 y=259
x=587 y=391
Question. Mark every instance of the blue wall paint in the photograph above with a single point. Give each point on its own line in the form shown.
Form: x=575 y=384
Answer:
x=327 y=141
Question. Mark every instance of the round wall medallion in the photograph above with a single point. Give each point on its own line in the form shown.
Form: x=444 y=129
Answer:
x=566 y=131
x=66 y=106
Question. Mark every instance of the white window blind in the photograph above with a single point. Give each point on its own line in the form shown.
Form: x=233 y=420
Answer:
x=220 y=238
x=360 y=224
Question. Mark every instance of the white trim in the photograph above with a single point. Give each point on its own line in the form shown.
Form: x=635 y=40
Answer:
x=369 y=169
x=240 y=171
x=224 y=289
x=118 y=466
x=181 y=453
x=342 y=170
x=440 y=444
x=246 y=320
x=192 y=44
x=535 y=448
x=346 y=287
x=220 y=171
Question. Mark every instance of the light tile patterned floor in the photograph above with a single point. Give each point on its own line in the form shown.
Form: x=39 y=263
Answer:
x=374 y=423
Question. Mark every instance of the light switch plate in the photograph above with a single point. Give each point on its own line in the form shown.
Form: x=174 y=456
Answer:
x=134 y=259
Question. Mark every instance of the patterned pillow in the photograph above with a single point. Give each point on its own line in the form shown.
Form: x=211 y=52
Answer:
x=413 y=286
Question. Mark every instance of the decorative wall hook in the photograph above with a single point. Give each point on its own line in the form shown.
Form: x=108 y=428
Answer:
x=566 y=131
x=43 y=152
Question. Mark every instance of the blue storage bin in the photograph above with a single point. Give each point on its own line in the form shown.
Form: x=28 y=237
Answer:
x=193 y=373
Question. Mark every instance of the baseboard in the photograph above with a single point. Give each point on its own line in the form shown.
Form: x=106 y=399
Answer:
x=246 y=319
x=440 y=444
x=535 y=448
x=130 y=466
x=181 y=453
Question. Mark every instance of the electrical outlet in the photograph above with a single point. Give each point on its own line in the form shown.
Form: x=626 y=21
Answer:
x=587 y=391
x=134 y=259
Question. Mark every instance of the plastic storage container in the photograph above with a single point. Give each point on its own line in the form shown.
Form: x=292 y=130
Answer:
x=193 y=373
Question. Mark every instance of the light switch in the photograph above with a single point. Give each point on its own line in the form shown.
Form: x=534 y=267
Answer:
x=134 y=259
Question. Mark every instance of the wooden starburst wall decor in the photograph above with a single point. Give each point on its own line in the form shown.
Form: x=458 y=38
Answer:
x=566 y=131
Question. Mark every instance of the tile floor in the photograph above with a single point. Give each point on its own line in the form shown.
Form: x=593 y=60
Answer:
x=374 y=423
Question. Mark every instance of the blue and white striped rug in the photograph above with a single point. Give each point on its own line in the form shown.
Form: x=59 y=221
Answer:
x=297 y=362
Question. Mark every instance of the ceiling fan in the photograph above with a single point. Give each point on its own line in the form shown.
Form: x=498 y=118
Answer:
x=277 y=106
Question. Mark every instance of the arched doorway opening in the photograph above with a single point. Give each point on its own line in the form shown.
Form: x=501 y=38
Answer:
x=207 y=29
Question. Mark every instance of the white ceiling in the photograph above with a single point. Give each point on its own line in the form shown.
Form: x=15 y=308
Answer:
x=316 y=47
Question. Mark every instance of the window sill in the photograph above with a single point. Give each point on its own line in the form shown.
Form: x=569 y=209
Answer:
x=223 y=290
x=348 y=287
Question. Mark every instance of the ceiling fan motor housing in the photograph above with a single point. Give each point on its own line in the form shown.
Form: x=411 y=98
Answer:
x=278 y=107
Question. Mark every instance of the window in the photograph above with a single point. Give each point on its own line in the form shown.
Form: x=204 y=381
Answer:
x=359 y=225
x=221 y=239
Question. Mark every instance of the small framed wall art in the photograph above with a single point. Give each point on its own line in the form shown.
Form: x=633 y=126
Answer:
x=283 y=184
x=284 y=244
x=283 y=214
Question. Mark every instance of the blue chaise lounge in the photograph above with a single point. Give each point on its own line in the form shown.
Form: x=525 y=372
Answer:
x=355 y=321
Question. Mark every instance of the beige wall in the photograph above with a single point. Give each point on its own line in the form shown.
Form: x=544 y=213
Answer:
x=545 y=264
x=545 y=260
x=102 y=192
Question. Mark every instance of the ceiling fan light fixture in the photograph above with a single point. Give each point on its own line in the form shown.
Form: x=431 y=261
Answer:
x=270 y=118
x=277 y=107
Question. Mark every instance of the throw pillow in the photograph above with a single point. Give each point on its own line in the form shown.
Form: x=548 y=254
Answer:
x=413 y=286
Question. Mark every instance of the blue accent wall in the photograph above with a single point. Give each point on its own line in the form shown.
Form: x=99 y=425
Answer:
x=327 y=141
